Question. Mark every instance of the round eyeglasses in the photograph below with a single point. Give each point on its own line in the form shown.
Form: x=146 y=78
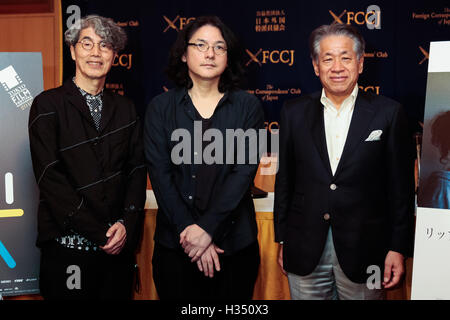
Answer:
x=218 y=49
x=88 y=45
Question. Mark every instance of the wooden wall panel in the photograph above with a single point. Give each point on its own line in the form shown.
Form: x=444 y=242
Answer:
x=41 y=32
x=26 y=6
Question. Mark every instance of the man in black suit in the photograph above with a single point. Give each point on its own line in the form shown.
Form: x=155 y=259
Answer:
x=344 y=189
x=88 y=159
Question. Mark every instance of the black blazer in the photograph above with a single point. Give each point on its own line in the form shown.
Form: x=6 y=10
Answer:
x=87 y=178
x=369 y=202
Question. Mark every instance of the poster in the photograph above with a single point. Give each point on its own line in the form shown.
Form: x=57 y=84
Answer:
x=21 y=80
x=431 y=278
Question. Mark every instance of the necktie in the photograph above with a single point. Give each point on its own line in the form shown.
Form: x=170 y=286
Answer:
x=94 y=106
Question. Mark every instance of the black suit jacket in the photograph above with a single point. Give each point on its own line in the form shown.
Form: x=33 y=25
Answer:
x=87 y=178
x=370 y=206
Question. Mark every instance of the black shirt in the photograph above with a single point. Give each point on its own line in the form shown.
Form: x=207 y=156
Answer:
x=223 y=198
x=205 y=173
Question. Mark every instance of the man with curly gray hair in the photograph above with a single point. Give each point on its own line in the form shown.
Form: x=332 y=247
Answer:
x=88 y=161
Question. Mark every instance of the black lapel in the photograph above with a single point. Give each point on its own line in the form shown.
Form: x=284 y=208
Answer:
x=317 y=126
x=363 y=114
x=108 y=109
x=78 y=101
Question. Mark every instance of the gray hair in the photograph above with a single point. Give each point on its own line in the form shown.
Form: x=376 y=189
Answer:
x=336 y=29
x=105 y=28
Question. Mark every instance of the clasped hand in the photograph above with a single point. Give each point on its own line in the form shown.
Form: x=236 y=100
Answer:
x=197 y=244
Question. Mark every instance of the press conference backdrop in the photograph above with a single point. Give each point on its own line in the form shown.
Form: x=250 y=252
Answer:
x=275 y=36
x=21 y=80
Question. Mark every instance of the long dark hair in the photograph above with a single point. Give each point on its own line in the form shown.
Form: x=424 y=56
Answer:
x=177 y=70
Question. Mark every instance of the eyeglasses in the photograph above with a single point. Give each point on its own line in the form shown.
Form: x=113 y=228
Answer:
x=88 y=45
x=220 y=50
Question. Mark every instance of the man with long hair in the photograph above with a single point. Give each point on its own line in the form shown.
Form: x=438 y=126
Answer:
x=205 y=238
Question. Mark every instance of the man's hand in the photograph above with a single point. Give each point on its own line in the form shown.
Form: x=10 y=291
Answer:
x=394 y=268
x=210 y=260
x=194 y=241
x=117 y=236
x=280 y=259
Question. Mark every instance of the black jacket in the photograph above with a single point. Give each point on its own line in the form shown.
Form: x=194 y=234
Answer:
x=87 y=178
x=369 y=202
x=230 y=214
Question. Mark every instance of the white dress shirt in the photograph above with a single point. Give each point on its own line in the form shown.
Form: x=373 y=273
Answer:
x=337 y=123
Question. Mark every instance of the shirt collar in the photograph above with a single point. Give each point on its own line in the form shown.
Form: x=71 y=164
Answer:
x=350 y=100
x=183 y=96
x=86 y=94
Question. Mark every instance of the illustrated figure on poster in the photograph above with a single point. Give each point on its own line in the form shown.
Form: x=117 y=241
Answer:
x=435 y=191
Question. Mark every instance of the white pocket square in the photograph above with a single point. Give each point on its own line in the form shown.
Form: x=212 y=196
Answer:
x=375 y=135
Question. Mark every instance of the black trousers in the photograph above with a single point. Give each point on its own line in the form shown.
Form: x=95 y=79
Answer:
x=71 y=274
x=177 y=278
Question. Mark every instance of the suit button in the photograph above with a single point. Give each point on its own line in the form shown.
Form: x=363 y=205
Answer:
x=333 y=187
x=190 y=197
x=326 y=216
